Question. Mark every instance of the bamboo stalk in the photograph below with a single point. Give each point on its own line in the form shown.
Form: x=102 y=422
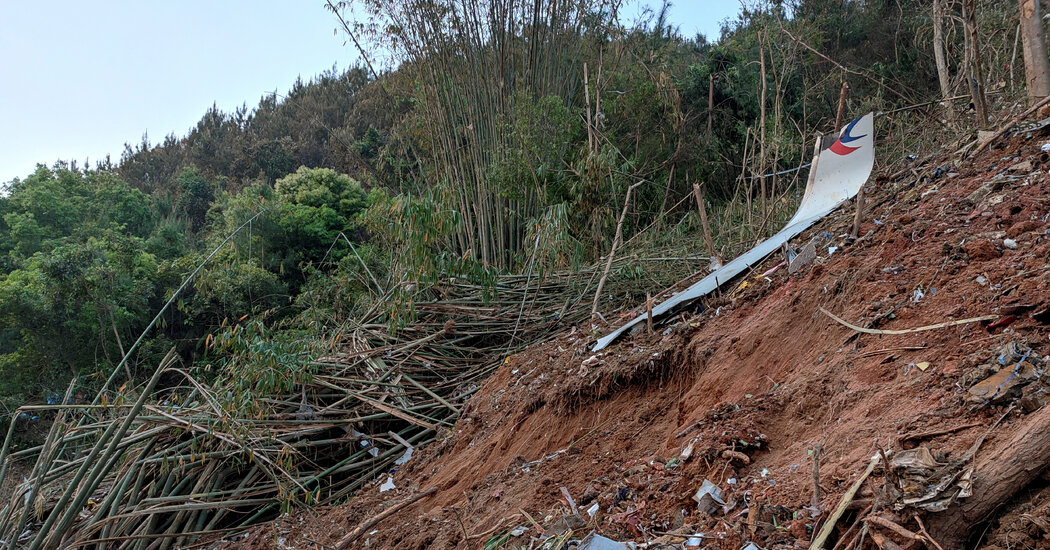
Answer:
x=612 y=249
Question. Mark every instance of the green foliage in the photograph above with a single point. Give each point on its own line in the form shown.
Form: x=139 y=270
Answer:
x=413 y=232
x=253 y=360
x=67 y=305
x=316 y=205
x=195 y=196
x=229 y=287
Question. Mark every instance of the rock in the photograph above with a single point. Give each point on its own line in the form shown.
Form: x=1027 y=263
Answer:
x=1010 y=243
x=1018 y=229
x=804 y=258
x=679 y=519
x=981 y=250
x=590 y=492
x=1003 y=385
x=1033 y=398
x=979 y=194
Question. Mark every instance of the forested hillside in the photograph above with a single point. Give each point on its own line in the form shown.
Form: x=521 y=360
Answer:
x=485 y=149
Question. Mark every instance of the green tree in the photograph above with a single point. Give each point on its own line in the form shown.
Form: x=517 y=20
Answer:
x=195 y=197
x=316 y=205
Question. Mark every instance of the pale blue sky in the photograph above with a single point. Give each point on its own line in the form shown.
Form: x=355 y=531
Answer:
x=81 y=79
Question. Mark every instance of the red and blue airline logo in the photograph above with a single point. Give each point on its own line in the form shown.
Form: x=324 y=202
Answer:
x=840 y=147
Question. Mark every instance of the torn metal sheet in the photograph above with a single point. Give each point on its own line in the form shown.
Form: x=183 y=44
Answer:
x=841 y=169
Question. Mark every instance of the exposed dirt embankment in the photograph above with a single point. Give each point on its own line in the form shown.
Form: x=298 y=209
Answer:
x=742 y=392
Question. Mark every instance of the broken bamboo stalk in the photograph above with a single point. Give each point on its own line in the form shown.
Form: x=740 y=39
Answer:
x=649 y=312
x=825 y=531
x=842 y=106
x=350 y=537
x=612 y=249
x=1006 y=127
x=715 y=257
x=883 y=542
x=893 y=526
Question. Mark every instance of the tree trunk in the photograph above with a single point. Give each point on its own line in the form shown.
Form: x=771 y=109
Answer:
x=1036 y=64
x=976 y=84
x=942 y=59
x=999 y=474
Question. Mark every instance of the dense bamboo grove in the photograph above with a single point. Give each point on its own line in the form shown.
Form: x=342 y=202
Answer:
x=479 y=69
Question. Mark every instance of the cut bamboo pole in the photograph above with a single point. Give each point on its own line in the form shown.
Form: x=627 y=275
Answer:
x=612 y=249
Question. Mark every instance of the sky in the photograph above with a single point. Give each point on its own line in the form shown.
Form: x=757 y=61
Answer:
x=81 y=79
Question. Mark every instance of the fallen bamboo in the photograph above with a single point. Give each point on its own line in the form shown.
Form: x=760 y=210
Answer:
x=829 y=525
x=350 y=537
x=209 y=465
x=1006 y=127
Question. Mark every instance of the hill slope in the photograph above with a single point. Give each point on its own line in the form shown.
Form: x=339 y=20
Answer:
x=753 y=383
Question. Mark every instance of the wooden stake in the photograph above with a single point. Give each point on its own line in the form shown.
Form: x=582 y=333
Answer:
x=857 y=216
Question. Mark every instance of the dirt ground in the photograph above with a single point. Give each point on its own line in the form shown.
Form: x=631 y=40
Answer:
x=743 y=390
